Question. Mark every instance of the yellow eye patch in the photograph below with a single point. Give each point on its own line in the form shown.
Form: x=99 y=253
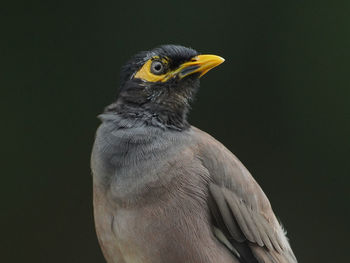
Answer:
x=146 y=74
x=200 y=64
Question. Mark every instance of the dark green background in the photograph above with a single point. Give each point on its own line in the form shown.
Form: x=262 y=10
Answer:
x=280 y=102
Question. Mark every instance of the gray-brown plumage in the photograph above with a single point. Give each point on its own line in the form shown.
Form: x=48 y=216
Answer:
x=165 y=191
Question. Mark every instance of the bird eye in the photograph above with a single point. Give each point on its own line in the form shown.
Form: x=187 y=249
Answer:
x=157 y=67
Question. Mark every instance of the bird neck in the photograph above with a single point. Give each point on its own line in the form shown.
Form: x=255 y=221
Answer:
x=150 y=114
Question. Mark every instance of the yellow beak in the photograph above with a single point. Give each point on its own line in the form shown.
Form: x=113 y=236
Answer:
x=199 y=64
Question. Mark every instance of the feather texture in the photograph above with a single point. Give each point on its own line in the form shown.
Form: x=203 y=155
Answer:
x=241 y=209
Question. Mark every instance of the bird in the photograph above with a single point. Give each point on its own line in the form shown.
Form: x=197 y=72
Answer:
x=163 y=190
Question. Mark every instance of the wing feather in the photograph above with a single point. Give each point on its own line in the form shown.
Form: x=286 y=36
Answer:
x=242 y=206
x=226 y=213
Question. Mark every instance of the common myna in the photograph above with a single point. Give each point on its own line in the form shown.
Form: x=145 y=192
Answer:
x=165 y=191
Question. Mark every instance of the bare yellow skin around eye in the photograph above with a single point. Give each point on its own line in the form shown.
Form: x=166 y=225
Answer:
x=200 y=64
x=145 y=73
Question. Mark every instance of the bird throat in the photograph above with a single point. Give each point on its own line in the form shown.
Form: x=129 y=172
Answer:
x=167 y=117
x=163 y=105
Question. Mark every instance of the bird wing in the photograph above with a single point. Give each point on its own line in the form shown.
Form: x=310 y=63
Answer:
x=241 y=211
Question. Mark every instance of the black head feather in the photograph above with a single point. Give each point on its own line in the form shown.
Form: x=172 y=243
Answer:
x=163 y=104
x=177 y=54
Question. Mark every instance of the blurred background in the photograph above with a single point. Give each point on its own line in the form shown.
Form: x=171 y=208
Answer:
x=280 y=102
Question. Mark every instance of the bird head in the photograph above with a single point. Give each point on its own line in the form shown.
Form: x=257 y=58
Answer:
x=157 y=86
